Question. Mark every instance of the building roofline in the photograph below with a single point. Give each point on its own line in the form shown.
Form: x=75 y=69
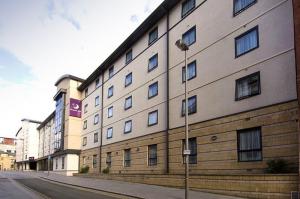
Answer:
x=18 y=131
x=67 y=76
x=46 y=120
x=146 y=25
x=30 y=120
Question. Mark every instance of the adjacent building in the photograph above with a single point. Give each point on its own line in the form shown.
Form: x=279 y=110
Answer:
x=7 y=153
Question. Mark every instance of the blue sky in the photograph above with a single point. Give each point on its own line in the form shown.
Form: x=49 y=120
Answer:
x=40 y=40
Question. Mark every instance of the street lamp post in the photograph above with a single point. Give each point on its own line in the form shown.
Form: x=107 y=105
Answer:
x=184 y=47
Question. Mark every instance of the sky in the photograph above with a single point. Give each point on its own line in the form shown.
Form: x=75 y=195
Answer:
x=41 y=40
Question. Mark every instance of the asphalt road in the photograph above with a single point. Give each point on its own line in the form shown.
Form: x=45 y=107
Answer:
x=12 y=186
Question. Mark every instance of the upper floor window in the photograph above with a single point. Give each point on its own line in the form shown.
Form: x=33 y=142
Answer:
x=192 y=148
x=246 y=42
x=152 y=118
x=96 y=137
x=110 y=91
x=153 y=35
x=247 y=86
x=96 y=119
x=110 y=111
x=189 y=37
x=97 y=101
x=191 y=71
x=85 y=124
x=86 y=92
x=249 y=144
x=192 y=105
x=97 y=83
x=128 y=79
x=241 y=5
x=128 y=126
x=153 y=90
x=187 y=7
x=108 y=159
x=85 y=108
x=111 y=72
x=128 y=103
x=127 y=158
x=84 y=141
x=153 y=62
x=128 y=57
x=152 y=155
x=109 y=133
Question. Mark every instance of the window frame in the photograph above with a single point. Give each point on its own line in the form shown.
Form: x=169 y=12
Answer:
x=112 y=131
x=155 y=83
x=84 y=141
x=189 y=11
x=182 y=106
x=244 y=78
x=187 y=32
x=111 y=72
x=108 y=163
x=112 y=111
x=128 y=121
x=96 y=137
x=131 y=58
x=86 y=92
x=112 y=92
x=183 y=148
x=156 y=111
x=128 y=164
x=85 y=108
x=154 y=67
x=235 y=13
x=84 y=124
x=154 y=30
x=126 y=108
x=97 y=99
x=255 y=28
x=97 y=83
x=98 y=118
x=183 y=71
x=128 y=75
x=63 y=162
x=94 y=161
x=238 y=144
x=156 y=158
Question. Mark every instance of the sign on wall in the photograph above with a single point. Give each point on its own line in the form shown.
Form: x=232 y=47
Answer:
x=75 y=107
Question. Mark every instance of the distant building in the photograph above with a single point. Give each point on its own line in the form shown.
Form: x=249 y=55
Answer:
x=7 y=153
x=8 y=145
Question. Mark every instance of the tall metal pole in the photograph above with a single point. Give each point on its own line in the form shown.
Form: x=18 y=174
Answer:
x=186 y=131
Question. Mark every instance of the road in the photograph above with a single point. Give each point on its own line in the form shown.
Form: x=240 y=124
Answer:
x=15 y=185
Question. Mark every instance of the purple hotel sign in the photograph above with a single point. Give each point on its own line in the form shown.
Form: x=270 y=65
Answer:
x=75 y=107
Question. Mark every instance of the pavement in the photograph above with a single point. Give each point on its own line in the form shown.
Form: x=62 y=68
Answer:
x=135 y=190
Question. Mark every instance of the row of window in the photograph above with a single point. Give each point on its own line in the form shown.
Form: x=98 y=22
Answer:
x=94 y=160
x=96 y=139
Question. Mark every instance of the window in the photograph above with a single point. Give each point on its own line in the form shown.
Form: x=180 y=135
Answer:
x=152 y=118
x=128 y=57
x=96 y=119
x=95 y=137
x=97 y=101
x=85 y=124
x=190 y=36
x=97 y=83
x=56 y=163
x=192 y=148
x=127 y=158
x=246 y=42
x=62 y=162
x=249 y=144
x=187 y=7
x=153 y=62
x=111 y=72
x=108 y=159
x=94 y=161
x=83 y=160
x=247 y=86
x=110 y=111
x=86 y=108
x=128 y=103
x=86 y=92
x=153 y=35
x=128 y=79
x=109 y=133
x=110 y=91
x=128 y=126
x=192 y=71
x=241 y=5
x=192 y=105
x=153 y=90
x=152 y=155
x=84 y=141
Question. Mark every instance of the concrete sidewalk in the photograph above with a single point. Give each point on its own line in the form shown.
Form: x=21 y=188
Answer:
x=127 y=188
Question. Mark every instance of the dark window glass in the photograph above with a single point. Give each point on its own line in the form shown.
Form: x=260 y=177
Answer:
x=94 y=161
x=97 y=101
x=152 y=155
x=62 y=162
x=86 y=108
x=128 y=103
x=96 y=119
x=108 y=159
x=111 y=72
x=246 y=42
x=192 y=71
x=187 y=7
x=241 y=5
x=109 y=133
x=192 y=105
x=95 y=137
x=128 y=79
x=110 y=111
x=152 y=118
x=110 y=91
x=249 y=144
x=153 y=35
x=153 y=90
x=84 y=141
x=85 y=124
x=127 y=158
x=193 y=149
x=153 y=62
x=97 y=83
x=190 y=36
x=128 y=126
x=247 y=86
x=128 y=57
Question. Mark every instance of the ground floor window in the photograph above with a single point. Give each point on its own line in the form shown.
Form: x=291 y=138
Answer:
x=192 y=148
x=94 y=161
x=152 y=155
x=127 y=158
x=62 y=162
x=108 y=159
